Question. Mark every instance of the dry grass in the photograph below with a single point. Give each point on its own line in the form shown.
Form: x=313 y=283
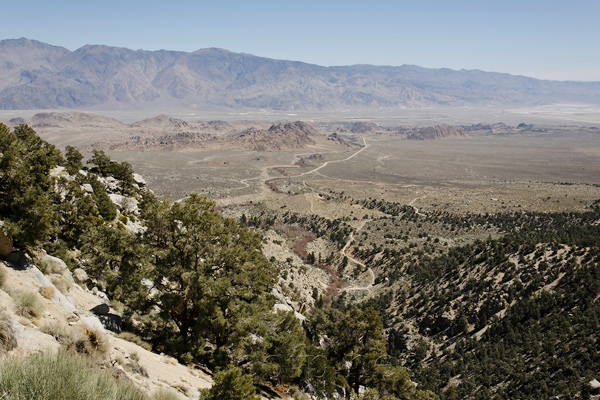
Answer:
x=48 y=292
x=84 y=341
x=133 y=338
x=8 y=339
x=29 y=305
x=63 y=283
x=61 y=376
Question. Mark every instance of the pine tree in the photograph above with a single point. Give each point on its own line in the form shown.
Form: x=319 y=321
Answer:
x=231 y=384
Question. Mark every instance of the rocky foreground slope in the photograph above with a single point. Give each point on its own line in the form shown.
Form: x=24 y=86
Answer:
x=68 y=316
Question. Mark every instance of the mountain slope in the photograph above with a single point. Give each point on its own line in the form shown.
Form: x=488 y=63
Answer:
x=35 y=75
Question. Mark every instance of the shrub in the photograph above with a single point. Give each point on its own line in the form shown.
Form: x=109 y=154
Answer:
x=48 y=292
x=61 y=376
x=79 y=339
x=8 y=339
x=29 y=305
x=85 y=341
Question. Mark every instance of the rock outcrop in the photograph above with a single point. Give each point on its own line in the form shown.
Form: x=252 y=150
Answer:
x=438 y=132
x=334 y=137
x=364 y=127
x=292 y=135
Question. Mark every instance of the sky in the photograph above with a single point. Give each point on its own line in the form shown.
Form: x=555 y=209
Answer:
x=547 y=39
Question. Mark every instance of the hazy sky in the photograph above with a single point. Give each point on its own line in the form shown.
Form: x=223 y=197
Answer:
x=548 y=39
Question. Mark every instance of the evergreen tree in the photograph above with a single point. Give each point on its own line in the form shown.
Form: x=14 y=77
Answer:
x=209 y=279
x=231 y=384
x=73 y=160
x=27 y=197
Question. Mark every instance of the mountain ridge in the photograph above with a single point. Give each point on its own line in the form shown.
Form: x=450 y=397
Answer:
x=36 y=75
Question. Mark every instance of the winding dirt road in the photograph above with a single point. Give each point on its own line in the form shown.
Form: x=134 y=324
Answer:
x=354 y=260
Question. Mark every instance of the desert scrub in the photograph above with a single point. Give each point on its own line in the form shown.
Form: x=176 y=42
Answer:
x=79 y=339
x=86 y=342
x=8 y=338
x=29 y=305
x=61 y=376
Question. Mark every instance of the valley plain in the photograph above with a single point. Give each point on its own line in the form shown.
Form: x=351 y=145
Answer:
x=554 y=170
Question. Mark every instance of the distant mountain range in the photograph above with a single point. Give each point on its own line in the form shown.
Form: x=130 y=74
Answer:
x=36 y=75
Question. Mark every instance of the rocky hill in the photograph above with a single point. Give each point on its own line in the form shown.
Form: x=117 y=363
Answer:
x=438 y=132
x=35 y=75
x=294 y=135
x=364 y=127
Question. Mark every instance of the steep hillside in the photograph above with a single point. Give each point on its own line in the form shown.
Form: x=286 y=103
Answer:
x=34 y=75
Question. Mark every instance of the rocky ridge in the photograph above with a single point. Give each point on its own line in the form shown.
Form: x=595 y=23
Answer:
x=167 y=133
x=36 y=75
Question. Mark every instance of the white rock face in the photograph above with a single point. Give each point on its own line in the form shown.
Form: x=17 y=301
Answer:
x=58 y=171
x=109 y=183
x=139 y=180
x=93 y=323
x=80 y=275
x=286 y=308
x=123 y=203
x=283 y=307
